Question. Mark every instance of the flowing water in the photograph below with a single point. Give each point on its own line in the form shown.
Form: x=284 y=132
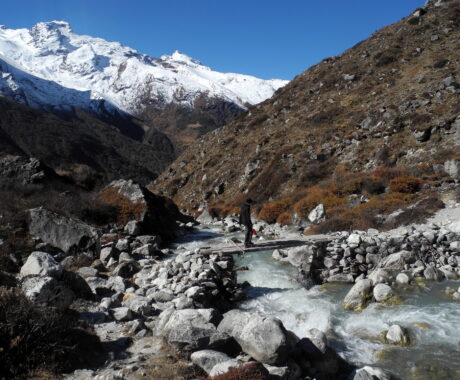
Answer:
x=433 y=320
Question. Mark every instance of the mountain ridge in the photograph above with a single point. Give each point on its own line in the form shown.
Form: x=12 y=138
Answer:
x=118 y=77
x=389 y=101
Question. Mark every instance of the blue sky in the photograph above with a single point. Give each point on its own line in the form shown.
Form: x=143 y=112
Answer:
x=265 y=38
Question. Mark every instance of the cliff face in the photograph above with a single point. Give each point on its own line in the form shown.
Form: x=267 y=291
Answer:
x=391 y=100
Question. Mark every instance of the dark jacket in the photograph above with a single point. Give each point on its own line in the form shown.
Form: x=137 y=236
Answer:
x=245 y=215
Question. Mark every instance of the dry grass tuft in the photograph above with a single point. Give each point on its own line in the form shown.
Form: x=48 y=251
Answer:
x=126 y=209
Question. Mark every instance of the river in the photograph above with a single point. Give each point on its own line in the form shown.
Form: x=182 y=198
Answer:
x=432 y=319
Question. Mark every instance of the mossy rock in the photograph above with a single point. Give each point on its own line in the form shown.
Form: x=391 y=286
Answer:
x=433 y=372
x=421 y=325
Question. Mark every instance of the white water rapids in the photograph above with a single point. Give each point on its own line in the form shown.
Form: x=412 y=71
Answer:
x=432 y=319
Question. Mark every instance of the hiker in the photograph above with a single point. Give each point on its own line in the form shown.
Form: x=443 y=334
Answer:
x=245 y=219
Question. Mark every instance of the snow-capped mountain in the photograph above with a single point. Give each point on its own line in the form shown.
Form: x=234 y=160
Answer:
x=51 y=67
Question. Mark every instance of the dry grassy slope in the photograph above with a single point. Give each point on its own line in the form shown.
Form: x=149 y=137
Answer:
x=299 y=136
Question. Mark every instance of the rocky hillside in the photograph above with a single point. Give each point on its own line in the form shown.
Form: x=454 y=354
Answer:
x=51 y=67
x=81 y=144
x=390 y=103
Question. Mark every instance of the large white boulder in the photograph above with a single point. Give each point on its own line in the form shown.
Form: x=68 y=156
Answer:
x=41 y=264
x=359 y=295
x=264 y=338
x=48 y=291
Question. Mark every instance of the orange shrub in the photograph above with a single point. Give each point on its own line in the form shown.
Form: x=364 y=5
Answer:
x=406 y=185
x=272 y=210
x=249 y=371
x=387 y=174
x=126 y=209
x=284 y=219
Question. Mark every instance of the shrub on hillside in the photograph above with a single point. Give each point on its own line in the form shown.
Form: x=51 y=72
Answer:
x=284 y=219
x=36 y=337
x=126 y=209
x=249 y=371
x=406 y=185
x=386 y=174
x=272 y=210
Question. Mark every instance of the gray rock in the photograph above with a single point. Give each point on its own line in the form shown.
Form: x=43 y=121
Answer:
x=106 y=254
x=133 y=228
x=127 y=269
x=398 y=260
x=382 y=292
x=369 y=373
x=122 y=245
x=164 y=295
x=299 y=255
x=359 y=295
x=62 y=232
x=402 y=279
x=432 y=274
x=98 y=286
x=41 y=264
x=397 y=335
x=205 y=217
x=138 y=304
x=147 y=250
x=318 y=338
x=87 y=272
x=452 y=167
x=192 y=329
x=354 y=240
x=47 y=290
x=379 y=276
x=125 y=257
x=341 y=277
x=224 y=367
x=122 y=314
x=317 y=215
x=264 y=338
x=207 y=359
x=117 y=284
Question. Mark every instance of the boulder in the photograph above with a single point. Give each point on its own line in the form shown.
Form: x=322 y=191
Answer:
x=205 y=217
x=48 y=291
x=402 y=279
x=264 y=338
x=224 y=367
x=354 y=240
x=98 y=286
x=133 y=228
x=379 y=276
x=61 y=232
x=194 y=329
x=127 y=269
x=398 y=260
x=382 y=292
x=138 y=304
x=369 y=373
x=341 y=277
x=318 y=339
x=397 y=335
x=359 y=295
x=317 y=215
x=299 y=255
x=153 y=214
x=207 y=359
x=122 y=314
x=432 y=274
x=41 y=264
x=452 y=168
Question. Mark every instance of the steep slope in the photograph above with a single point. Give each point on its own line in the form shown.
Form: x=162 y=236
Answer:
x=51 y=67
x=392 y=100
x=73 y=144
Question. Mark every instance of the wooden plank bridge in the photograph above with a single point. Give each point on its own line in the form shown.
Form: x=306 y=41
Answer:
x=264 y=245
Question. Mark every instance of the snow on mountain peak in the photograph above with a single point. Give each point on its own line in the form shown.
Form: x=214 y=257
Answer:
x=50 y=52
